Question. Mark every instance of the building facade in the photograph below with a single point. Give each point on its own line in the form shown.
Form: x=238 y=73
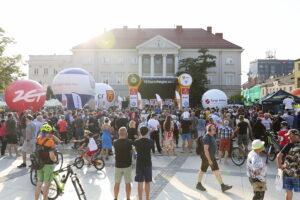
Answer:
x=297 y=73
x=110 y=57
x=274 y=84
x=263 y=69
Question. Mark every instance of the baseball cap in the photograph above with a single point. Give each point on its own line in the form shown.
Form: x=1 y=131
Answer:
x=257 y=144
x=293 y=131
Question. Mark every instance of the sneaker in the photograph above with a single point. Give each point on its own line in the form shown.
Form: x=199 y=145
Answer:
x=200 y=187
x=225 y=187
x=22 y=165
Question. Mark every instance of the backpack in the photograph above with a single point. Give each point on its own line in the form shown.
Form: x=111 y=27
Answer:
x=176 y=130
x=37 y=162
x=200 y=147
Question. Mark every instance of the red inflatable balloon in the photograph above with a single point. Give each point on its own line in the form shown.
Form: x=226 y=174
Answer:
x=25 y=95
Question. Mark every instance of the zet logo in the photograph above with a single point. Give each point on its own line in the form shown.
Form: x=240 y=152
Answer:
x=207 y=101
x=133 y=104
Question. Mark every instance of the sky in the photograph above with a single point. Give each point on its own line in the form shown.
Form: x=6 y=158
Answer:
x=42 y=27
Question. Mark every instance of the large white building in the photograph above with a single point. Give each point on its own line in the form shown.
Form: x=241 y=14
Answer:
x=149 y=52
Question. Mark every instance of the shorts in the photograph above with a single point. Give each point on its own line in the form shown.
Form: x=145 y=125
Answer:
x=258 y=186
x=201 y=133
x=290 y=183
x=45 y=175
x=225 y=144
x=28 y=147
x=91 y=152
x=243 y=139
x=120 y=172
x=12 y=139
x=205 y=165
x=186 y=136
x=143 y=174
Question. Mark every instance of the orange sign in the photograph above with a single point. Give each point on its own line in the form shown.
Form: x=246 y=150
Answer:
x=110 y=95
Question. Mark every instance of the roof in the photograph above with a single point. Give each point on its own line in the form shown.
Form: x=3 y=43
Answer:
x=278 y=97
x=130 y=38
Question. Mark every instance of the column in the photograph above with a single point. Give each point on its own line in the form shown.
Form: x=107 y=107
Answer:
x=140 y=67
x=176 y=63
x=164 y=64
x=152 y=65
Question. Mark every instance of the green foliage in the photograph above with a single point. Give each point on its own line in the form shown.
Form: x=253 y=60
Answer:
x=9 y=69
x=197 y=68
x=236 y=99
x=49 y=93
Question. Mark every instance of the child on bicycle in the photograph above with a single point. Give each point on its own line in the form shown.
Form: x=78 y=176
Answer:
x=88 y=142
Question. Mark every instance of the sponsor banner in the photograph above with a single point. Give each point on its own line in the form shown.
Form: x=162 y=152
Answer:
x=133 y=91
x=185 y=90
x=77 y=101
x=133 y=101
x=185 y=100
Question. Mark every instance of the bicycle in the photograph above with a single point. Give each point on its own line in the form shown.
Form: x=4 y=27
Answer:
x=273 y=146
x=238 y=155
x=58 y=184
x=96 y=160
x=33 y=172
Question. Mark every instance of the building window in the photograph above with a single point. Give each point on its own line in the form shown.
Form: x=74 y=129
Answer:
x=211 y=78
x=157 y=60
x=229 y=61
x=170 y=61
x=87 y=60
x=36 y=71
x=105 y=60
x=299 y=66
x=134 y=60
x=146 y=61
x=120 y=60
x=104 y=77
x=119 y=78
x=45 y=71
x=229 y=79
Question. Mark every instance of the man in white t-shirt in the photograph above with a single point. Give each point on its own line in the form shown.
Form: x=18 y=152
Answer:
x=266 y=121
x=154 y=135
x=288 y=103
x=216 y=119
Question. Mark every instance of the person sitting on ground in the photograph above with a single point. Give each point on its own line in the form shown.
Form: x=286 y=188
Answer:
x=88 y=142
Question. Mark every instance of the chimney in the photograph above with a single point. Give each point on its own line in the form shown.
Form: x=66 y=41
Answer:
x=209 y=29
x=220 y=35
x=125 y=28
x=179 y=29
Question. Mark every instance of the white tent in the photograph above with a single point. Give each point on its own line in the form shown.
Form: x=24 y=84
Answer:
x=52 y=103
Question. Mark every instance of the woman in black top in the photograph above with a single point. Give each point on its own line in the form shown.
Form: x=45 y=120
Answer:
x=259 y=130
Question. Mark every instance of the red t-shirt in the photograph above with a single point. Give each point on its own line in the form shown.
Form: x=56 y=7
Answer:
x=62 y=126
x=283 y=140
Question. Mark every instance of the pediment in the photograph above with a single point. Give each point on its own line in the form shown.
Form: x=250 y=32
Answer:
x=158 y=42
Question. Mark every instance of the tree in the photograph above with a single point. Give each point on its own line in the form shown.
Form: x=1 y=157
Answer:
x=197 y=68
x=49 y=93
x=236 y=99
x=9 y=65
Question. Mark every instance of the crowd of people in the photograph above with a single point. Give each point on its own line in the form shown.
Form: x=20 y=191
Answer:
x=159 y=131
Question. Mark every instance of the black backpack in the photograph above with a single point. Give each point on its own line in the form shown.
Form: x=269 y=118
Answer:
x=37 y=162
x=176 y=130
x=200 y=146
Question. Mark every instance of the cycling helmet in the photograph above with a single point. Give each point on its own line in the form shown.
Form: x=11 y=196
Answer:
x=46 y=128
x=283 y=123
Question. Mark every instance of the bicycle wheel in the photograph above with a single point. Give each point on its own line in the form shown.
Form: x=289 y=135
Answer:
x=78 y=187
x=33 y=176
x=60 y=160
x=79 y=162
x=237 y=156
x=271 y=155
x=99 y=163
x=54 y=190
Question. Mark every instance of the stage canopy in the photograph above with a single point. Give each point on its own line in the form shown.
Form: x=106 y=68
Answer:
x=164 y=86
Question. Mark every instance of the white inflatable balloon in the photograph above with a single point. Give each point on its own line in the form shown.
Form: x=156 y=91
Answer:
x=214 y=98
x=104 y=95
x=74 y=87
